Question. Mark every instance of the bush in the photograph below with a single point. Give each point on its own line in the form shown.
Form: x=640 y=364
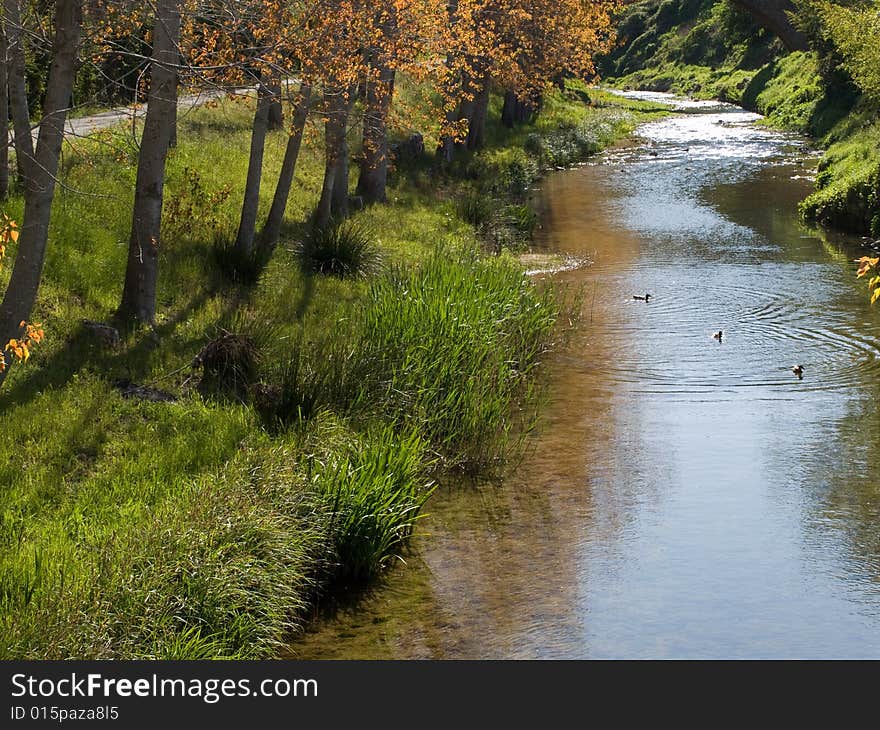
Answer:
x=474 y=208
x=316 y=378
x=236 y=267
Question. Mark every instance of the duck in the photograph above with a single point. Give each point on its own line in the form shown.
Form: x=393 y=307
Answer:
x=799 y=371
x=718 y=335
x=645 y=298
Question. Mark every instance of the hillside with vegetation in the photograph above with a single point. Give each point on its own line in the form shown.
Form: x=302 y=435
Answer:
x=829 y=91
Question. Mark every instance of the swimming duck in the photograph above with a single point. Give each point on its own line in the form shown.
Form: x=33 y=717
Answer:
x=718 y=335
x=642 y=299
x=799 y=371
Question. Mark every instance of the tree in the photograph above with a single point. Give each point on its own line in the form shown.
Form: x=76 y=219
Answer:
x=4 y=114
x=523 y=46
x=272 y=229
x=403 y=40
x=39 y=166
x=138 y=302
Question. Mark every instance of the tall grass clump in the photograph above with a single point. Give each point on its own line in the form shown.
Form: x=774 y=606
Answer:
x=314 y=378
x=475 y=208
x=346 y=250
x=447 y=346
x=235 y=266
x=374 y=493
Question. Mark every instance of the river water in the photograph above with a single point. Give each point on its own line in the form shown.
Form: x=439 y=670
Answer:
x=685 y=497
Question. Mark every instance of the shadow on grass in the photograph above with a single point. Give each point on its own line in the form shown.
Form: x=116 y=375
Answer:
x=84 y=351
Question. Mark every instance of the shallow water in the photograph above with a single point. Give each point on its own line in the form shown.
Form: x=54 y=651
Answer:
x=685 y=497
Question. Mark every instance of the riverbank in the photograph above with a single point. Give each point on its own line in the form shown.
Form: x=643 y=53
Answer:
x=289 y=430
x=713 y=50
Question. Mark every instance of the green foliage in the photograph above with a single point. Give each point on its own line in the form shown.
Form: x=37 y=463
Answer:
x=855 y=32
x=676 y=33
x=449 y=347
x=475 y=208
x=792 y=95
x=194 y=210
x=236 y=266
x=847 y=192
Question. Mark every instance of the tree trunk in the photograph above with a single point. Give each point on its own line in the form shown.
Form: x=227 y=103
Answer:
x=374 y=163
x=276 y=112
x=21 y=117
x=334 y=192
x=339 y=205
x=530 y=108
x=142 y=271
x=272 y=229
x=466 y=112
x=476 y=137
x=4 y=115
x=446 y=147
x=41 y=167
x=244 y=240
x=509 y=112
x=518 y=111
x=172 y=142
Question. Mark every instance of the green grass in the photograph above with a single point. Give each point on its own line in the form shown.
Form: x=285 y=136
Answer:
x=848 y=183
x=207 y=526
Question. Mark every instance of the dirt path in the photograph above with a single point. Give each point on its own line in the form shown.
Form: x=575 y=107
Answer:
x=84 y=126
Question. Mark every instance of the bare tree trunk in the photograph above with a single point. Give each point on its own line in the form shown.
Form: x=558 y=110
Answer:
x=374 y=163
x=21 y=118
x=476 y=137
x=142 y=271
x=334 y=192
x=41 y=167
x=339 y=194
x=4 y=115
x=244 y=240
x=446 y=147
x=509 y=112
x=272 y=229
x=276 y=112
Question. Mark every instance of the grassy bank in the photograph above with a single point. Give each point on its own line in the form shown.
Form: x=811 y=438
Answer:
x=300 y=449
x=711 y=50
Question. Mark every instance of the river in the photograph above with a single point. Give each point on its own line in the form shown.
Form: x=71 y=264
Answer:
x=685 y=497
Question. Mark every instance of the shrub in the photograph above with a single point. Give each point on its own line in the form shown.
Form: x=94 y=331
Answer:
x=446 y=347
x=235 y=266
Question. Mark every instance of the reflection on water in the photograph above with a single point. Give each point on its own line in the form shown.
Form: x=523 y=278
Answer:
x=686 y=498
